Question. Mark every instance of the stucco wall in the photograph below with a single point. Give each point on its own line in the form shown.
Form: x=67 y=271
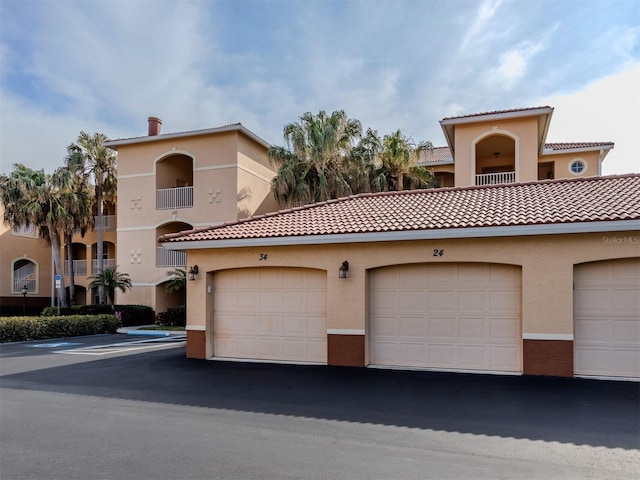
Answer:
x=547 y=263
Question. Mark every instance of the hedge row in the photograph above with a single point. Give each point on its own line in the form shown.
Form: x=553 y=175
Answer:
x=131 y=315
x=18 y=329
x=173 y=317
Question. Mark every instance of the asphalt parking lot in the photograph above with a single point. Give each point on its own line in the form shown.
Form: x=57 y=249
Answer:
x=112 y=406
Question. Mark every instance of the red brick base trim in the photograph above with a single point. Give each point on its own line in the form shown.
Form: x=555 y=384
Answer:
x=345 y=350
x=548 y=357
x=196 y=344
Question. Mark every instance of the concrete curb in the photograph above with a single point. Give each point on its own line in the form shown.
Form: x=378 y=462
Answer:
x=150 y=333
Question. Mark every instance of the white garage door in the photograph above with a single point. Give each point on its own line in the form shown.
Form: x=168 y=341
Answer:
x=446 y=316
x=270 y=314
x=607 y=318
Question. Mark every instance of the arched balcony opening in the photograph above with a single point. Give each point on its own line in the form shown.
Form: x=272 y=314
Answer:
x=496 y=160
x=108 y=256
x=79 y=266
x=25 y=274
x=174 y=182
x=171 y=258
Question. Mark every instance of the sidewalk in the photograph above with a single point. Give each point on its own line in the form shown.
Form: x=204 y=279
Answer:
x=155 y=333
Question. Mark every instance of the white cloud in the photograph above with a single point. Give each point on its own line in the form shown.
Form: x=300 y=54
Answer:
x=478 y=30
x=605 y=110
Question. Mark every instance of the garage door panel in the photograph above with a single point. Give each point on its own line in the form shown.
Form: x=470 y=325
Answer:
x=316 y=302
x=282 y=317
x=442 y=301
x=473 y=328
x=505 y=329
x=469 y=309
x=593 y=299
x=385 y=326
x=503 y=357
x=607 y=318
x=442 y=355
x=270 y=325
x=626 y=301
x=442 y=328
x=385 y=353
x=472 y=355
x=472 y=301
x=626 y=331
x=411 y=301
x=384 y=301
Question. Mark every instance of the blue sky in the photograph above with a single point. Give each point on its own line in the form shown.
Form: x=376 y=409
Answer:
x=105 y=66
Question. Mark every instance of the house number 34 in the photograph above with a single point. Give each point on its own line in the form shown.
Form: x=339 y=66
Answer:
x=263 y=256
x=438 y=253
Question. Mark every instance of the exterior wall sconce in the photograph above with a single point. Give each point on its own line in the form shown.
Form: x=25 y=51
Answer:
x=344 y=268
x=193 y=273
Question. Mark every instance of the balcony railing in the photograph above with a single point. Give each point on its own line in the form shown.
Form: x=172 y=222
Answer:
x=495 y=178
x=170 y=258
x=79 y=267
x=18 y=283
x=108 y=223
x=106 y=263
x=180 y=197
x=25 y=230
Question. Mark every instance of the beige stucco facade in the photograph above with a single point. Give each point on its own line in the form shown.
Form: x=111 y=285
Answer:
x=510 y=147
x=546 y=263
x=180 y=182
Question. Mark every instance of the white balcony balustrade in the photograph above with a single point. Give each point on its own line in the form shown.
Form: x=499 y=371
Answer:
x=170 y=258
x=108 y=223
x=79 y=267
x=107 y=263
x=495 y=178
x=180 y=197
x=28 y=230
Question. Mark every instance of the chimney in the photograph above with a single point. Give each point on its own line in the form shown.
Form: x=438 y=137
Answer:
x=155 y=124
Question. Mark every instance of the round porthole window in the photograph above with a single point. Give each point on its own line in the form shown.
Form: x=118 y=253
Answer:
x=577 y=167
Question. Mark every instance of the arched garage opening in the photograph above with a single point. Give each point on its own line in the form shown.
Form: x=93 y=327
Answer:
x=276 y=314
x=606 y=306
x=448 y=316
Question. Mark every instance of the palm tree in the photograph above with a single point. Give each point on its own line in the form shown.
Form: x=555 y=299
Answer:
x=82 y=212
x=178 y=280
x=396 y=165
x=99 y=163
x=110 y=279
x=310 y=167
x=33 y=197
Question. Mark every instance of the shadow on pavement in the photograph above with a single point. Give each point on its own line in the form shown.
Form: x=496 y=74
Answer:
x=577 y=411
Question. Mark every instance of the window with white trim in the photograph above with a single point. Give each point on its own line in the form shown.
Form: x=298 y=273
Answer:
x=578 y=166
x=24 y=274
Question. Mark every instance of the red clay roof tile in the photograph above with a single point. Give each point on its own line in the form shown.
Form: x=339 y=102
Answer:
x=555 y=201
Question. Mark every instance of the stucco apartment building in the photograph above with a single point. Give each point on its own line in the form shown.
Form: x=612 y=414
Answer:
x=166 y=183
x=528 y=262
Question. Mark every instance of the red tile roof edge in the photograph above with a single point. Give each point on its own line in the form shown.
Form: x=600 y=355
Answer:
x=175 y=236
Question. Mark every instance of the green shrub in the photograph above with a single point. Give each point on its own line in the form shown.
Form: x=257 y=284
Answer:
x=130 y=314
x=18 y=329
x=173 y=317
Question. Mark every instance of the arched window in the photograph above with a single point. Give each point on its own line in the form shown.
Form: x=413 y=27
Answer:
x=24 y=274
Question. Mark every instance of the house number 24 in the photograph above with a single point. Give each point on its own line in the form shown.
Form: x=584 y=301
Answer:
x=438 y=253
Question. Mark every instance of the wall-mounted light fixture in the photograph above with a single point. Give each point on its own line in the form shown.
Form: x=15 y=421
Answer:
x=344 y=268
x=193 y=273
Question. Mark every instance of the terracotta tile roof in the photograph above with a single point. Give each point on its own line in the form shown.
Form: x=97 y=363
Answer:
x=496 y=112
x=437 y=155
x=443 y=155
x=588 y=199
x=576 y=145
